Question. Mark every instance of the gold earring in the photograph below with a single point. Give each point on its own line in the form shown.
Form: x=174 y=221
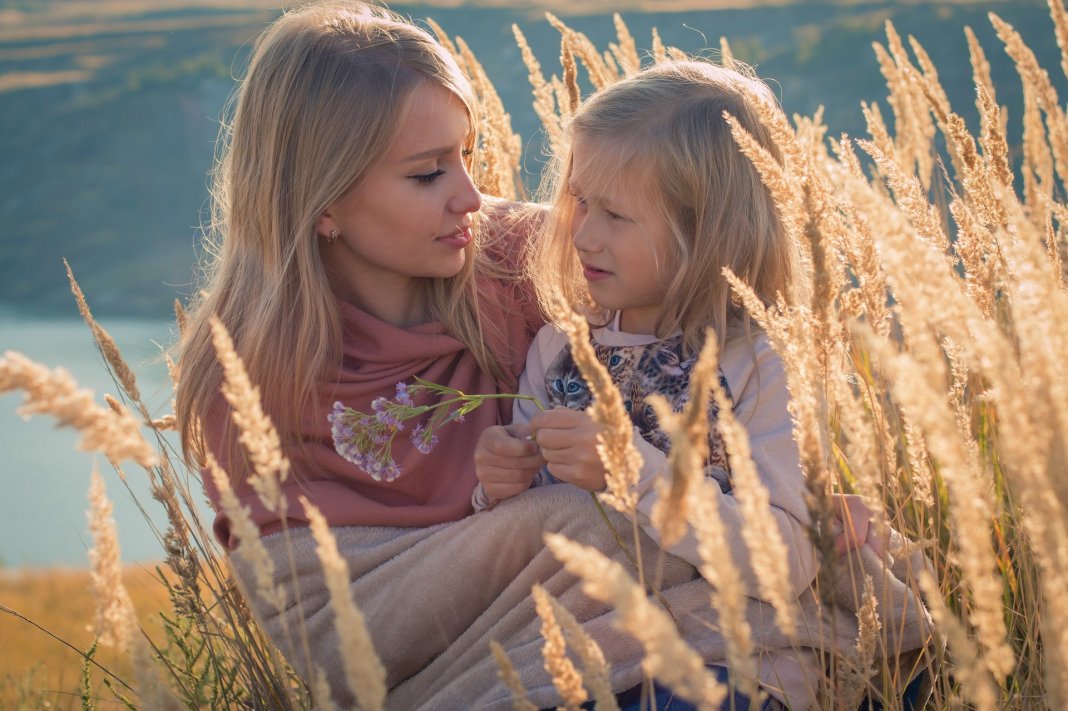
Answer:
x=334 y=237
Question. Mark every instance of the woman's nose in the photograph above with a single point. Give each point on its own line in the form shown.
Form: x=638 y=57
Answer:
x=467 y=198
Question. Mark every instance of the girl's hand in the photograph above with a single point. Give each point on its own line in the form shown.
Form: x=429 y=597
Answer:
x=568 y=441
x=506 y=460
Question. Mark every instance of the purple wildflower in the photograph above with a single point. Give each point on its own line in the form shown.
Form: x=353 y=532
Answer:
x=402 y=395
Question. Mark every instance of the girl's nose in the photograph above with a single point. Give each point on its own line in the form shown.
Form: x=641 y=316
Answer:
x=584 y=238
x=467 y=198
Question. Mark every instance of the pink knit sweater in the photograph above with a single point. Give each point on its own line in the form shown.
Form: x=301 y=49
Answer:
x=433 y=488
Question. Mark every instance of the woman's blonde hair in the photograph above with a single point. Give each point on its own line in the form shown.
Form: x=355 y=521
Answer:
x=326 y=89
x=661 y=136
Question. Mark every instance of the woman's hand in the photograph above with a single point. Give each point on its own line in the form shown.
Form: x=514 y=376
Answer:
x=568 y=441
x=506 y=460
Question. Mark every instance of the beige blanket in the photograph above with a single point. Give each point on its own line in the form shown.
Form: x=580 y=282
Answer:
x=435 y=597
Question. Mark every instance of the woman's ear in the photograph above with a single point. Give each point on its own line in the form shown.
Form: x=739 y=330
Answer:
x=326 y=224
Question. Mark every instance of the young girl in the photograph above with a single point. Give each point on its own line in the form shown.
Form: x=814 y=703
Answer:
x=653 y=201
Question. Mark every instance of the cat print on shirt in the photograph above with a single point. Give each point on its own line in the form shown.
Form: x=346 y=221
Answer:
x=638 y=370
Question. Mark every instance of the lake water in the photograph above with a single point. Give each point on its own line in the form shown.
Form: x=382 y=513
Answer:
x=44 y=478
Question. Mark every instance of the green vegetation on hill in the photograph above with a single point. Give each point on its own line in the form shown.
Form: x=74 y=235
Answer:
x=108 y=125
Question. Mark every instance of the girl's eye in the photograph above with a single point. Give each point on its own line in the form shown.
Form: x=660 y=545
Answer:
x=614 y=215
x=428 y=178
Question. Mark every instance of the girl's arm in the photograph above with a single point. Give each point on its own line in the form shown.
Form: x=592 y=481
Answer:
x=506 y=462
x=757 y=381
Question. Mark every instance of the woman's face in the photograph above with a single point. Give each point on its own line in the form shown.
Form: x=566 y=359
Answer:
x=410 y=217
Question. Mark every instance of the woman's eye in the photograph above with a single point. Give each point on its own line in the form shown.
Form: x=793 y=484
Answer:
x=428 y=178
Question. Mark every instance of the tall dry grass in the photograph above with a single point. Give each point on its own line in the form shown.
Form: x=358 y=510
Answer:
x=924 y=361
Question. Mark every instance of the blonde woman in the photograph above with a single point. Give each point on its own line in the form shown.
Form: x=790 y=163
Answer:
x=347 y=254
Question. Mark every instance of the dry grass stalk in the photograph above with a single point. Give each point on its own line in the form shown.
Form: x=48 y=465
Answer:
x=976 y=682
x=600 y=73
x=688 y=431
x=165 y=423
x=597 y=671
x=1037 y=168
x=860 y=446
x=1060 y=26
x=767 y=551
x=321 y=692
x=667 y=657
x=658 y=50
x=995 y=146
x=876 y=126
x=615 y=444
x=783 y=189
x=566 y=678
x=856 y=672
x=726 y=56
x=790 y=331
x=863 y=259
x=544 y=104
x=363 y=670
x=115 y=434
x=1037 y=78
x=570 y=80
x=249 y=546
x=910 y=195
x=511 y=679
x=980 y=66
x=689 y=494
x=108 y=348
x=258 y=434
x=917 y=382
x=501 y=148
x=116 y=622
x=626 y=52
x=915 y=130
x=977 y=250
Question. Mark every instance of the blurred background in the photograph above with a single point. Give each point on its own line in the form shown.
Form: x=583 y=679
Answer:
x=109 y=112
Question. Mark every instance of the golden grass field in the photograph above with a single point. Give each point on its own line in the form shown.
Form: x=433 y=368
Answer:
x=37 y=669
x=924 y=357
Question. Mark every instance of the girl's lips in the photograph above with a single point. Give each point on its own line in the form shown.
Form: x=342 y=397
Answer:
x=594 y=274
x=458 y=239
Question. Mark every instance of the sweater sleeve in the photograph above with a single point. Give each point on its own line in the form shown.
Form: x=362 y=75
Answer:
x=757 y=381
x=547 y=344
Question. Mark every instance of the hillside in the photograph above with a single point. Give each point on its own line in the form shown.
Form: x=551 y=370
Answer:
x=110 y=109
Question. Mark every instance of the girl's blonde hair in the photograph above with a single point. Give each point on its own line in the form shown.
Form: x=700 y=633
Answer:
x=326 y=89
x=661 y=135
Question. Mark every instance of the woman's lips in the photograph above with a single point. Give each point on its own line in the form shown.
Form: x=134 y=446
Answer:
x=458 y=239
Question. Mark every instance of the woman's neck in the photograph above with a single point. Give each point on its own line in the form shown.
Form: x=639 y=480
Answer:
x=399 y=301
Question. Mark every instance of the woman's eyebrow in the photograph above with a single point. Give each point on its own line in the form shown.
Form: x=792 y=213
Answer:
x=432 y=153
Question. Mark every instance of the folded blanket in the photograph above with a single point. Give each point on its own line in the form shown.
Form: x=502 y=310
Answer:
x=435 y=597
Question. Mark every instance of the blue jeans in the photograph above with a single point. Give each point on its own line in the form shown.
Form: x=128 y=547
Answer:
x=631 y=699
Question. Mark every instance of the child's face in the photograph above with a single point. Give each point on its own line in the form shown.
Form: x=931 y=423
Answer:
x=623 y=243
